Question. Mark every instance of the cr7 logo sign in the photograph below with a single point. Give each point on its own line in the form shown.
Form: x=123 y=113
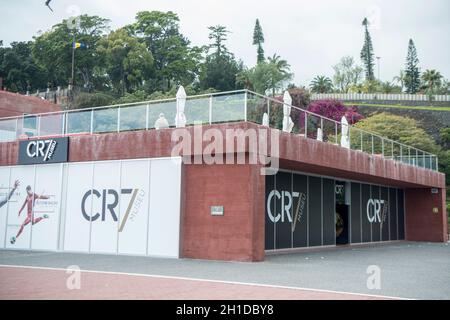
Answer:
x=376 y=210
x=41 y=149
x=54 y=150
x=286 y=204
x=110 y=201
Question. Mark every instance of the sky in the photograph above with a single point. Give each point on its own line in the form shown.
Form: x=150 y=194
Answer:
x=312 y=35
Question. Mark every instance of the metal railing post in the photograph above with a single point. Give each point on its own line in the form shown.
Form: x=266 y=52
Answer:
x=17 y=127
x=417 y=158
x=392 y=149
x=63 y=128
x=147 y=107
x=336 y=132
x=372 y=143
x=401 y=153
x=362 y=149
x=118 y=119
x=92 y=121
x=38 y=119
x=210 y=109
x=245 y=105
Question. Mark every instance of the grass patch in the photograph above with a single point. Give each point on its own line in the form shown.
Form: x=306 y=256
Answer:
x=397 y=106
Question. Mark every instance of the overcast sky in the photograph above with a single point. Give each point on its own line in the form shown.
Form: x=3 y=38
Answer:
x=311 y=35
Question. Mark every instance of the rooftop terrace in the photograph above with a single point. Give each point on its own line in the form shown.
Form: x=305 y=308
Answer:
x=223 y=107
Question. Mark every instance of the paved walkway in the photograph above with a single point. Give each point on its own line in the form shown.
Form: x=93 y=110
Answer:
x=407 y=270
x=38 y=283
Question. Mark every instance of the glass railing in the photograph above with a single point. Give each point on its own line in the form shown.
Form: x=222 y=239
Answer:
x=224 y=107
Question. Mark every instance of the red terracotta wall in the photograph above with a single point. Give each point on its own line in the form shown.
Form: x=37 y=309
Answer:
x=14 y=104
x=239 y=233
x=422 y=224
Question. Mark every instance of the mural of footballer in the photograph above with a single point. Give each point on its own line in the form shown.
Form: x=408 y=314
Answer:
x=29 y=202
x=6 y=199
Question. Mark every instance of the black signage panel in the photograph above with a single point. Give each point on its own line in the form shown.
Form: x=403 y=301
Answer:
x=270 y=211
x=300 y=219
x=355 y=212
x=377 y=210
x=367 y=211
x=315 y=211
x=401 y=214
x=283 y=217
x=393 y=213
x=384 y=195
x=42 y=151
x=328 y=212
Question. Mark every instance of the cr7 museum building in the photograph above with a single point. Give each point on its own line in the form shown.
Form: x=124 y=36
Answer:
x=106 y=180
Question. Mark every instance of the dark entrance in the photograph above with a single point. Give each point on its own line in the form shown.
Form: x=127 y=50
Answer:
x=342 y=213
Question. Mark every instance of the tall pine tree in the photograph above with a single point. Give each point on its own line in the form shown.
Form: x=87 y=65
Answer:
x=258 y=40
x=367 y=53
x=412 y=72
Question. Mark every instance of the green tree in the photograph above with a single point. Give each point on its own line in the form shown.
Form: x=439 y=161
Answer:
x=53 y=50
x=432 y=81
x=220 y=68
x=258 y=40
x=175 y=61
x=321 y=84
x=127 y=61
x=412 y=72
x=218 y=35
x=19 y=69
x=346 y=74
x=367 y=52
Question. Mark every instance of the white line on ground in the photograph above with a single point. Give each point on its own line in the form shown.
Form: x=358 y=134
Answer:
x=209 y=280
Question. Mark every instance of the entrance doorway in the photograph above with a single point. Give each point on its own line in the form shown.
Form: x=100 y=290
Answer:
x=342 y=190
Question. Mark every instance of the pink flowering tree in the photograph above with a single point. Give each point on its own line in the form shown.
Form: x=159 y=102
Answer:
x=331 y=109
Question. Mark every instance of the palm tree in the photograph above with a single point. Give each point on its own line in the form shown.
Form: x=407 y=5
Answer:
x=280 y=71
x=321 y=84
x=281 y=64
x=400 y=79
x=432 y=80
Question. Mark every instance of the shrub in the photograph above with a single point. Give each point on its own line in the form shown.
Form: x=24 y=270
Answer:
x=398 y=128
x=91 y=100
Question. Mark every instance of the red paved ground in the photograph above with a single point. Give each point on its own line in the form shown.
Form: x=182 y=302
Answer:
x=31 y=283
